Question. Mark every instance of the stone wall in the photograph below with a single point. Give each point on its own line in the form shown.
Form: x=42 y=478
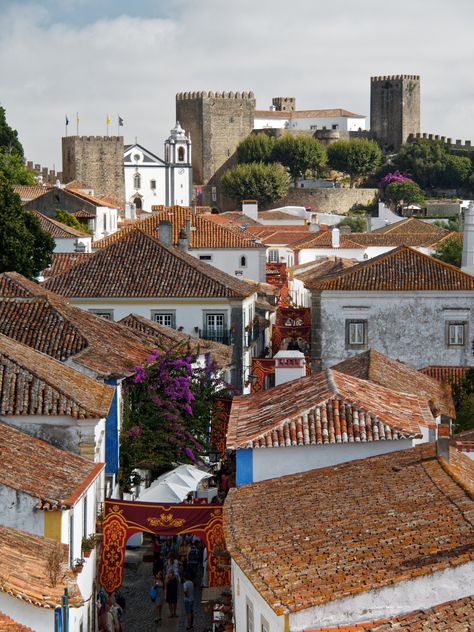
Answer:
x=217 y=122
x=98 y=162
x=326 y=200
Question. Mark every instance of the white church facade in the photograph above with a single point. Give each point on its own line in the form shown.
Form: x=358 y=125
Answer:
x=150 y=181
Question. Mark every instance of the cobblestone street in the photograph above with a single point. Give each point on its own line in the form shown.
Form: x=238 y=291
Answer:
x=139 y=613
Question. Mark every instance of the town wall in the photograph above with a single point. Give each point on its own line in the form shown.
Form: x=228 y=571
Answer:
x=326 y=200
x=98 y=162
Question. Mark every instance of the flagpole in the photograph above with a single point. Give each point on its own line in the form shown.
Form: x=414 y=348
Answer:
x=77 y=123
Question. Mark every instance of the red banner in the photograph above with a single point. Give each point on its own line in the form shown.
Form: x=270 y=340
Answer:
x=124 y=518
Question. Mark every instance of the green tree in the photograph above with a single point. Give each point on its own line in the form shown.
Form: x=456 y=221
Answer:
x=8 y=136
x=399 y=194
x=457 y=171
x=356 y=223
x=357 y=158
x=255 y=148
x=299 y=154
x=450 y=251
x=70 y=220
x=256 y=181
x=14 y=169
x=465 y=413
x=24 y=246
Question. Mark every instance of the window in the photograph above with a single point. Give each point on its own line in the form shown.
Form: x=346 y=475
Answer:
x=356 y=333
x=456 y=334
x=249 y=616
x=108 y=314
x=273 y=256
x=105 y=222
x=84 y=517
x=215 y=327
x=205 y=257
x=181 y=154
x=71 y=538
x=138 y=202
x=335 y=126
x=137 y=181
x=264 y=625
x=243 y=262
x=152 y=185
x=168 y=319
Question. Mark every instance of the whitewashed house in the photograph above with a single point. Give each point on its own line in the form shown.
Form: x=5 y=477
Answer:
x=149 y=180
x=153 y=279
x=308 y=120
x=50 y=500
x=377 y=544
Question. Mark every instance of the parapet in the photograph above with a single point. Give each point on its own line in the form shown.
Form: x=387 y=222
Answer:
x=458 y=144
x=187 y=96
x=394 y=78
x=92 y=138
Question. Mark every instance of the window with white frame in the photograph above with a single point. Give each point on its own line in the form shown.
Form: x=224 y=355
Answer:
x=249 y=616
x=137 y=181
x=273 y=255
x=264 y=625
x=215 y=326
x=456 y=334
x=108 y=314
x=356 y=333
x=168 y=319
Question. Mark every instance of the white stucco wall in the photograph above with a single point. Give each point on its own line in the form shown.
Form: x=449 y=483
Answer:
x=408 y=326
x=244 y=593
x=38 y=619
x=105 y=222
x=69 y=244
x=300 y=295
x=229 y=260
x=310 y=254
x=400 y=598
x=18 y=512
x=276 y=462
x=147 y=173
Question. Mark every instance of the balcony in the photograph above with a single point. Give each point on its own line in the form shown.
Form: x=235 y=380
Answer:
x=223 y=336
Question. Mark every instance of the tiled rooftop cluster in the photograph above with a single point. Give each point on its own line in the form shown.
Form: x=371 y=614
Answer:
x=61 y=261
x=322 y=408
x=56 y=229
x=349 y=528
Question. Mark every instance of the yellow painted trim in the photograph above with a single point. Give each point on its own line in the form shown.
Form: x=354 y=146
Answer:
x=52 y=525
x=287 y=623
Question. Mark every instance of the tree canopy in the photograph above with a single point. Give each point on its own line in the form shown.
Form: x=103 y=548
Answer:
x=356 y=158
x=450 y=251
x=256 y=181
x=399 y=194
x=255 y=148
x=299 y=154
x=14 y=169
x=70 y=220
x=8 y=136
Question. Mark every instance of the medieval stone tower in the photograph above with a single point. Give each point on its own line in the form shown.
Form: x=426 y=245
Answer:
x=98 y=162
x=394 y=109
x=216 y=122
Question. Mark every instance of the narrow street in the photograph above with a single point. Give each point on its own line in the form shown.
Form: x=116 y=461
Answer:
x=140 y=610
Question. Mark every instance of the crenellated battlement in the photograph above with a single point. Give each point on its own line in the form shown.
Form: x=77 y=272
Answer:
x=394 y=78
x=457 y=144
x=70 y=139
x=210 y=94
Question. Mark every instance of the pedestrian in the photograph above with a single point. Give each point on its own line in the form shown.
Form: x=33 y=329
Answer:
x=188 y=588
x=193 y=561
x=159 y=586
x=172 y=592
x=173 y=564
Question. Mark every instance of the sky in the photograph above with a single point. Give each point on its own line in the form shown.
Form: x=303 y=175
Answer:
x=111 y=57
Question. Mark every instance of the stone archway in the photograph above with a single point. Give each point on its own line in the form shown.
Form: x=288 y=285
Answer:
x=124 y=518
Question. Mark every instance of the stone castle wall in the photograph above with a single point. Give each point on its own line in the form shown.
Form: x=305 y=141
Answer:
x=98 y=162
x=326 y=200
x=394 y=109
x=217 y=122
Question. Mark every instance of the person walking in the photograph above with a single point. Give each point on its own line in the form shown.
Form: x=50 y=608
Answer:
x=159 y=586
x=188 y=588
x=172 y=592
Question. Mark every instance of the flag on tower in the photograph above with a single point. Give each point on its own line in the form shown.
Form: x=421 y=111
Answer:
x=67 y=121
x=107 y=120
x=120 y=121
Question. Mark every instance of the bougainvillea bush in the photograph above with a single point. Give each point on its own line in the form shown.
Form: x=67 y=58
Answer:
x=395 y=176
x=167 y=410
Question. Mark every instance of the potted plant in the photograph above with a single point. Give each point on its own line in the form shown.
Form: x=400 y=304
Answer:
x=78 y=565
x=87 y=544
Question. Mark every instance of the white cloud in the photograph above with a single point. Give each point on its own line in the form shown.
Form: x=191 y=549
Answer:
x=322 y=54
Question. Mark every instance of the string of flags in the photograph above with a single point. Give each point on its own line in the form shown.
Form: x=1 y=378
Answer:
x=107 y=122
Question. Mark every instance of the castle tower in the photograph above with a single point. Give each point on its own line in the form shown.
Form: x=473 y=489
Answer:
x=394 y=109
x=216 y=122
x=283 y=104
x=98 y=162
x=179 y=170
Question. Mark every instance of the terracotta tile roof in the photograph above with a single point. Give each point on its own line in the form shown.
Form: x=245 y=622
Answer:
x=61 y=261
x=85 y=214
x=93 y=199
x=24 y=569
x=39 y=469
x=325 y=408
x=411 y=225
x=401 y=269
x=323 y=239
x=47 y=323
x=32 y=383
x=166 y=336
x=451 y=616
x=204 y=233
x=28 y=193
x=231 y=217
x=282 y=237
x=380 y=369
x=446 y=374
x=78 y=185
x=259 y=229
x=420 y=240
x=313 y=271
x=138 y=265
x=58 y=229
x=8 y=625
x=297 y=114
x=350 y=528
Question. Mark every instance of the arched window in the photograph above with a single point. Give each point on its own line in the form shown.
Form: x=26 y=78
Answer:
x=137 y=181
x=138 y=202
x=181 y=154
x=243 y=262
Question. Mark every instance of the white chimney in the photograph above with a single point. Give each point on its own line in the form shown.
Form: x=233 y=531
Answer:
x=289 y=365
x=250 y=208
x=335 y=237
x=467 y=264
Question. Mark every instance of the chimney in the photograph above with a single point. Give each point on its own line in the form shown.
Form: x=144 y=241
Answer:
x=289 y=365
x=335 y=234
x=250 y=208
x=314 y=227
x=188 y=228
x=183 y=240
x=442 y=443
x=467 y=264
x=165 y=232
